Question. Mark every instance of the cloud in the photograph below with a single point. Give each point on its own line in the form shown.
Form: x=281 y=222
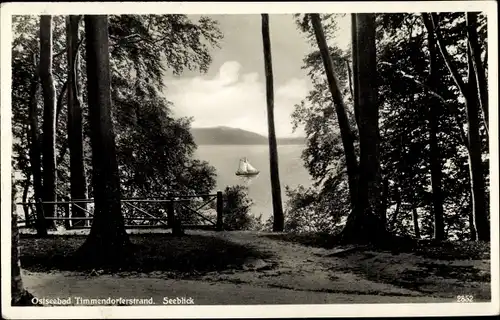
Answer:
x=235 y=100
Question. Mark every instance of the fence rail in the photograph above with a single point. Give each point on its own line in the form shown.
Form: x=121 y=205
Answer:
x=171 y=220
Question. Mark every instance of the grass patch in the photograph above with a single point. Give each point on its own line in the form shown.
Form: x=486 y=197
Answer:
x=190 y=254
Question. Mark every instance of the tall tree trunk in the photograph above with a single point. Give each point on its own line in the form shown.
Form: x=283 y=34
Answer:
x=108 y=241
x=26 y=189
x=366 y=223
x=473 y=143
x=75 y=130
x=35 y=153
x=49 y=117
x=416 y=228
x=279 y=220
x=19 y=295
x=472 y=228
x=434 y=152
x=481 y=222
x=354 y=55
x=482 y=84
x=340 y=108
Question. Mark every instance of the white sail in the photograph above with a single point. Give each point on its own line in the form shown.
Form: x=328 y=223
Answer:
x=245 y=168
x=250 y=168
x=242 y=168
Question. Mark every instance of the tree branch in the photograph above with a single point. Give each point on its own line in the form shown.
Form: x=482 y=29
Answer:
x=475 y=49
x=349 y=76
x=444 y=52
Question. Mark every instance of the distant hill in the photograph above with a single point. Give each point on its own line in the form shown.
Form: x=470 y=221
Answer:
x=234 y=136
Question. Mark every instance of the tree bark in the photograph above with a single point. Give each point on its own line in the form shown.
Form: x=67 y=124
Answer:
x=49 y=118
x=35 y=154
x=469 y=91
x=26 y=208
x=473 y=234
x=279 y=220
x=108 y=242
x=19 y=295
x=366 y=224
x=476 y=171
x=75 y=129
x=435 y=161
x=354 y=50
x=482 y=84
x=416 y=228
x=340 y=108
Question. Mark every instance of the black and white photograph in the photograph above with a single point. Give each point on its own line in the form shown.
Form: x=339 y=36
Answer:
x=280 y=159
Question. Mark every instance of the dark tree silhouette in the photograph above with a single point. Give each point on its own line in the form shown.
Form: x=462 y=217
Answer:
x=279 y=220
x=74 y=124
x=49 y=118
x=469 y=91
x=435 y=160
x=340 y=108
x=366 y=221
x=108 y=241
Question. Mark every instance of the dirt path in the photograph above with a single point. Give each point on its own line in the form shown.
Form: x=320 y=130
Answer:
x=363 y=272
x=292 y=273
x=301 y=268
x=64 y=285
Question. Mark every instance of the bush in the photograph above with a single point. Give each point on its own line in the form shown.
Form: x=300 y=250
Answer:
x=236 y=211
x=312 y=210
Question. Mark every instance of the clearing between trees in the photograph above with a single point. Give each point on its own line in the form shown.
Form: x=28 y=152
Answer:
x=246 y=267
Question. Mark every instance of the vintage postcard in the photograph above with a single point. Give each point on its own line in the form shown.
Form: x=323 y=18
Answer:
x=246 y=160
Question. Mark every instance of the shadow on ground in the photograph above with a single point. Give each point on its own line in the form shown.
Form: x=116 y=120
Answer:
x=444 y=269
x=190 y=254
x=318 y=240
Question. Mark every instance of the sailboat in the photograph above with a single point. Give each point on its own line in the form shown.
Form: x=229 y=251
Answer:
x=246 y=169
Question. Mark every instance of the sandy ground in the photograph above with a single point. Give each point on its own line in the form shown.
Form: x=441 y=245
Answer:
x=294 y=274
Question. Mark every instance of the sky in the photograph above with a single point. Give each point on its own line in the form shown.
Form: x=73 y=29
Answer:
x=232 y=93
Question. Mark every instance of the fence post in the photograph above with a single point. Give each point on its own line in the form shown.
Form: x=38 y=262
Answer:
x=220 y=206
x=67 y=223
x=170 y=213
x=27 y=219
x=41 y=222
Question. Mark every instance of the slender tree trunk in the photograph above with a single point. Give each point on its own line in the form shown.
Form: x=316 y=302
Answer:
x=482 y=84
x=481 y=222
x=366 y=223
x=354 y=51
x=26 y=207
x=108 y=241
x=49 y=117
x=340 y=108
x=473 y=234
x=19 y=295
x=473 y=143
x=279 y=220
x=435 y=154
x=416 y=228
x=35 y=154
x=75 y=129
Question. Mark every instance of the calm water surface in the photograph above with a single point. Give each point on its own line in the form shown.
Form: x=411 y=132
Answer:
x=225 y=159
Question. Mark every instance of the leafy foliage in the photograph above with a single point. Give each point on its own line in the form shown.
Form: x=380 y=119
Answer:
x=155 y=149
x=403 y=67
x=236 y=210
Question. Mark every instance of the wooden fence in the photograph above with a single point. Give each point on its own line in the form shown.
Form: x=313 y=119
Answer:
x=131 y=207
